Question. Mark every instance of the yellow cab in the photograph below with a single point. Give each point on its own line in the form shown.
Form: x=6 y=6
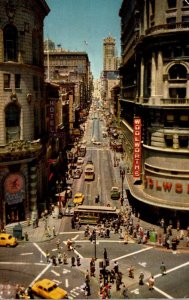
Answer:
x=7 y=240
x=48 y=289
x=78 y=198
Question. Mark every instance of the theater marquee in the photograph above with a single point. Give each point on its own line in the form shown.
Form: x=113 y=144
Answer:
x=137 y=148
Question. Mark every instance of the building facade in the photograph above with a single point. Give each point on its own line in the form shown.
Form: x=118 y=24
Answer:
x=71 y=71
x=22 y=109
x=155 y=88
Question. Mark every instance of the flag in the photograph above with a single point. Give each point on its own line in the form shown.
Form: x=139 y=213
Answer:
x=85 y=42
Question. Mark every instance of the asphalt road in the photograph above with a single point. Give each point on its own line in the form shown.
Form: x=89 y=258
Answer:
x=27 y=262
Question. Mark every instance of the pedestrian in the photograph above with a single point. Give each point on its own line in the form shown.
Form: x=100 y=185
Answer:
x=58 y=244
x=59 y=257
x=65 y=258
x=37 y=222
x=78 y=259
x=131 y=272
x=141 y=278
x=69 y=243
x=163 y=268
x=26 y=236
x=53 y=231
x=125 y=292
x=87 y=290
x=87 y=277
x=73 y=261
x=116 y=267
x=54 y=260
x=118 y=283
x=112 y=276
x=105 y=254
x=151 y=281
x=30 y=293
x=48 y=256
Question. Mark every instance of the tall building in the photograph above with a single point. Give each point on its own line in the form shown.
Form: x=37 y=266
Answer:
x=155 y=91
x=22 y=109
x=110 y=72
x=109 y=54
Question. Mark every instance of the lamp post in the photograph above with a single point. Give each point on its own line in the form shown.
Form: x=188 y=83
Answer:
x=122 y=175
x=59 y=190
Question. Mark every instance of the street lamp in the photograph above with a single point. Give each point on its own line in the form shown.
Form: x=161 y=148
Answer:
x=59 y=190
x=122 y=175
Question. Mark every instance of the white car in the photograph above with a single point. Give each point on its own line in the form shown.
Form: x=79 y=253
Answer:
x=80 y=161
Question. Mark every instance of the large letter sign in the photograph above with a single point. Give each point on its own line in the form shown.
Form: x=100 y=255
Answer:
x=137 y=147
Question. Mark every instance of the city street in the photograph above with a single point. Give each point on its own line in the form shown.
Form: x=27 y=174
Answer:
x=27 y=262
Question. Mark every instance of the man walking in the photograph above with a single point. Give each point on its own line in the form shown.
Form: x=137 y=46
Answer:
x=163 y=269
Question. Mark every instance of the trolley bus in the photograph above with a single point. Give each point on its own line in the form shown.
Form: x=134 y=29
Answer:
x=94 y=214
x=89 y=171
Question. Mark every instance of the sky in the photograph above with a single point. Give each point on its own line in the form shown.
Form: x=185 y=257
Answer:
x=81 y=25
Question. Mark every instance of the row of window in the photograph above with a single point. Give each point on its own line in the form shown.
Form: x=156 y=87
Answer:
x=173 y=3
x=37 y=83
x=183 y=141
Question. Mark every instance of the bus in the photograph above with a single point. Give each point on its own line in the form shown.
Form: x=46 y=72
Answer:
x=95 y=214
x=89 y=171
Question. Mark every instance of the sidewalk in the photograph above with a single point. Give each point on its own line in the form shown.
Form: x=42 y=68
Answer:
x=38 y=234
x=145 y=225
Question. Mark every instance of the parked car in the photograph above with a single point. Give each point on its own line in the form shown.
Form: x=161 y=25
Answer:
x=48 y=289
x=79 y=168
x=77 y=174
x=78 y=198
x=7 y=240
x=115 y=193
x=80 y=161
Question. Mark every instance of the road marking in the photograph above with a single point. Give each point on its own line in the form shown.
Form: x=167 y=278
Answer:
x=29 y=253
x=76 y=252
x=136 y=291
x=130 y=254
x=21 y=263
x=75 y=237
x=168 y=271
x=66 y=283
x=40 y=274
x=143 y=264
x=57 y=281
x=37 y=246
x=173 y=269
x=71 y=232
x=56 y=273
x=65 y=271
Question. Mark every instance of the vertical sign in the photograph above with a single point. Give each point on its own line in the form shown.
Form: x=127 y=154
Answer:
x=137 y=147
x=52 y=127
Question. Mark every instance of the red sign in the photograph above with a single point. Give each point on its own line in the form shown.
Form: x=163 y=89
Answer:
x=137 y=147
x=52 y=123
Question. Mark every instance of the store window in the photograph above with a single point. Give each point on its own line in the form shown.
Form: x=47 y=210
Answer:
x=171 y=20
x=183 y=141
x=184 y=121
x=10 y=37
x=169 y=120
x=169 y=141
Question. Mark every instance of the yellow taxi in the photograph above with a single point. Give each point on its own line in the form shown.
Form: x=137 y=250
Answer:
x=78 y=198
x=7 y=240
x=48 y=289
